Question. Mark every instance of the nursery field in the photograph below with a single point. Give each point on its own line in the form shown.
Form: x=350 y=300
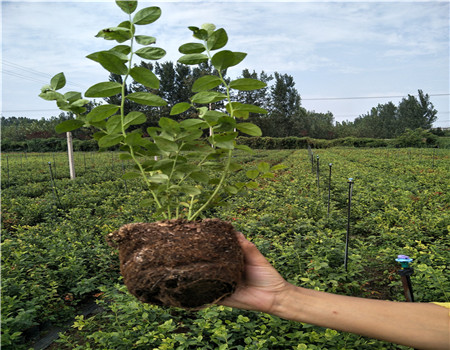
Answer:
x=55 y=259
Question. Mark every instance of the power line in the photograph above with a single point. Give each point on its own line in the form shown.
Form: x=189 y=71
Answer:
x=361 y=97
x=31 y=72
x=17 y=75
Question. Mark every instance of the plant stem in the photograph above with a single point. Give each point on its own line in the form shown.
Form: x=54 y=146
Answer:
x=122 y=117
x=219 y=186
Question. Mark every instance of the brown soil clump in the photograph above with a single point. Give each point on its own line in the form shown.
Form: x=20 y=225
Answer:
x=179 y=263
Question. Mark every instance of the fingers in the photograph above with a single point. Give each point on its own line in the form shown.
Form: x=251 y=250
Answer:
x=252 y=255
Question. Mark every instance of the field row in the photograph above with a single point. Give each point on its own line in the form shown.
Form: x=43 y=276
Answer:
x=55 y=258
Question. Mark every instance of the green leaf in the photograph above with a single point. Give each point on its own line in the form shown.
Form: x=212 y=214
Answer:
x=235 y=166
x=225 y=123
x=72 y=96
x=69 y=125
x=278 y=167
x=190 y=135
x=247 y=84
x=79 y=103
x=212 y=117
x=245 y=148
x=264 y=167
x=237 y=106
x=145 y=39
x=206 y=82
x=118 y=34
x=205 y=97
x=102 y=112
x=125 y=156
x=145 y=76
x=218 y=39
x=165 y=144
x=164 y=165
x=180 y=108
x=252 y=174
x=147 y=15
x=127 y=6
x=225 y=140
x=199 y=176
x=134 y=139
x=152 y=131
x=158 y=178
x=130 y=175
x=193 y=124
x=105 y=89
x=209 y=27
x=251 y=185
x=58 y=81
x=134 y=118
x=190 y=190
x=190 y=48
x=121 y=51
x=249 y=129
x=198 y=33
x=193 y=58
x=151 y=53
x=146 y=98
x=110 y=61
x=114 y=124
x=110 y=140
x=52 y=96
x=169 y=125
x=225 y=59
x=231 y=189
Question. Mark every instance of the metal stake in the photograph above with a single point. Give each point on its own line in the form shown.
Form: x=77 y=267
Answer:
x=317 y=170
x=329 y=189
x=350 y=190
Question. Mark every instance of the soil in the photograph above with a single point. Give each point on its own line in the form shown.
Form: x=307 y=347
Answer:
x=187 y=264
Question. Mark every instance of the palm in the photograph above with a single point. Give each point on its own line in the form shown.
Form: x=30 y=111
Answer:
x=261 y=284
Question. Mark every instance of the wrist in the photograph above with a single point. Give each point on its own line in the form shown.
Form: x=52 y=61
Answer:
x=288 y=303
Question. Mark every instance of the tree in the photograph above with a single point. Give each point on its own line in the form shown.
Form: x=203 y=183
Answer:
x=285 y=107
x=320 y=125
x=416 y=113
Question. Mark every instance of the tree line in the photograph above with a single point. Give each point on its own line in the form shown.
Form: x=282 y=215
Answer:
x=285 y=118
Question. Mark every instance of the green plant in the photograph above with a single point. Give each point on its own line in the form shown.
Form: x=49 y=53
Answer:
x=176 y=159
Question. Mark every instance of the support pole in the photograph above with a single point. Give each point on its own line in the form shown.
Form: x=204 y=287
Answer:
x=347 y=238
x=70 y=153
x=329 y=190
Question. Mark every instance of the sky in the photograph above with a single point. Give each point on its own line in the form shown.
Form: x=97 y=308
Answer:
x=345 y=57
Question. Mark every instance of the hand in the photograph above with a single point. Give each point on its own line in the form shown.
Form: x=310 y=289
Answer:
x=262 y=286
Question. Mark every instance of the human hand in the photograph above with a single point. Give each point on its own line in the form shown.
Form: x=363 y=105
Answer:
x=262 y=286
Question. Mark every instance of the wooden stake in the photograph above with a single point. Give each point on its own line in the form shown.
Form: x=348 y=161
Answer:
x=70 y=152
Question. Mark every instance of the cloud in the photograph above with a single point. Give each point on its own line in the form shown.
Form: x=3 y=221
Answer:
x=331 y=48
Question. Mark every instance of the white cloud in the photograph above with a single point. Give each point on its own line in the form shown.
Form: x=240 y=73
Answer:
x=331 y=48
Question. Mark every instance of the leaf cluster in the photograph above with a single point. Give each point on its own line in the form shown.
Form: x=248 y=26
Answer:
x=175 y=159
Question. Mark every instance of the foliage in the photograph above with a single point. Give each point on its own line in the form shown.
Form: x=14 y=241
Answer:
x=416 y=138
x=178 y=178
x=390 y=121
x=55 y=256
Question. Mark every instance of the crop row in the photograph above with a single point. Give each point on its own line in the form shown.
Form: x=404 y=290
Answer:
x=54 y=256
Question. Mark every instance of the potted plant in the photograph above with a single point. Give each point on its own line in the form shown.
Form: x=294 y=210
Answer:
x=182 y=259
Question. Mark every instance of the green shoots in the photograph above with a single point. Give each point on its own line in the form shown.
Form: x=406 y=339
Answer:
x=185 y=165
